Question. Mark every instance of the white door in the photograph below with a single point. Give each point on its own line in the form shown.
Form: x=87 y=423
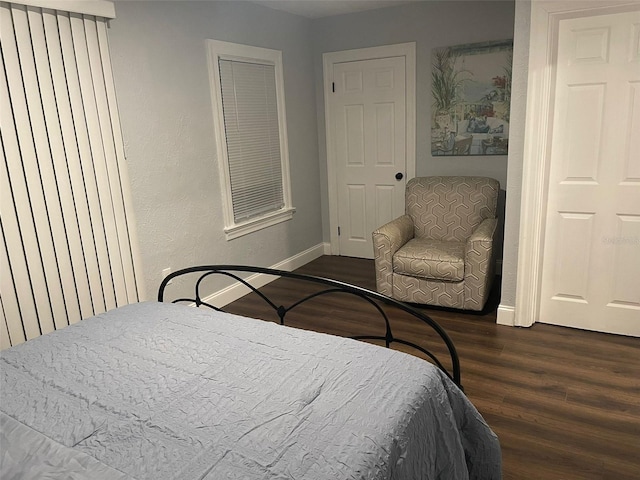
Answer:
x=591 y=267
x=368 y=122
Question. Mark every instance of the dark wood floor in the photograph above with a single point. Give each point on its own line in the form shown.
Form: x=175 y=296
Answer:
x=564 y=403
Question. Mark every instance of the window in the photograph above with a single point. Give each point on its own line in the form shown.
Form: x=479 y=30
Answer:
x=69 y=248
x=251 y=137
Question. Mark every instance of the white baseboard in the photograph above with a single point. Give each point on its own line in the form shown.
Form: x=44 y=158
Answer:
x=506 y=315
x=237 y=290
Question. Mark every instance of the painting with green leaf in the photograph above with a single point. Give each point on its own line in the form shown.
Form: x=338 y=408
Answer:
x=471 y=93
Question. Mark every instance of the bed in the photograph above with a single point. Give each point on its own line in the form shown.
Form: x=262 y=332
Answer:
x=162 y=390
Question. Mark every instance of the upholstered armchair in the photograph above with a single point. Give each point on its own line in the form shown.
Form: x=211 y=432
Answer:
x=441 y=251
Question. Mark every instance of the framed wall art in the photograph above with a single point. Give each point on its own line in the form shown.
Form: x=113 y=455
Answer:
x=471 y=95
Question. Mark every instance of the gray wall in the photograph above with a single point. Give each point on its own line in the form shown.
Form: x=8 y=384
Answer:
x=430 y=24
x=162 y=85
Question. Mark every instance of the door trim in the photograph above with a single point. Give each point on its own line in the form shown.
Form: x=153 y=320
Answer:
x=407 y=50
x=545 y=19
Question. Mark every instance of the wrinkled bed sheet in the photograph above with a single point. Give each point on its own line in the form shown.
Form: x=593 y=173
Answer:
x=162 y=391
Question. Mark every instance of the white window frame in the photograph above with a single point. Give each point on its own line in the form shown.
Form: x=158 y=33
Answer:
x=231 y=51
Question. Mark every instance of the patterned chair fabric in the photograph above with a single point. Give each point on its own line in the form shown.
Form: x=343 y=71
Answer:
x=441 y=251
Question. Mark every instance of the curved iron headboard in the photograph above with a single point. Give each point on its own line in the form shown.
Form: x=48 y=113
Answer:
x=334 y=286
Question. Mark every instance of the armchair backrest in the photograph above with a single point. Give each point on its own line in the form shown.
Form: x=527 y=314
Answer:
x=450 y=208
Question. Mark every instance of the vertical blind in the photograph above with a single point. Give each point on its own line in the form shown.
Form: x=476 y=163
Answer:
x=68 y=242
x=250 y=111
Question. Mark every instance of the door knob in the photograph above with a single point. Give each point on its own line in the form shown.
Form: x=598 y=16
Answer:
x=399 y=176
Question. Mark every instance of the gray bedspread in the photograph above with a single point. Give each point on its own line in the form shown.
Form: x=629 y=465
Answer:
x=162 y=391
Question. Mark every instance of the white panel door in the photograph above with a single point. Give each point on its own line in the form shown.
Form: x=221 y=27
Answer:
x=591 y=267
x=368 y=109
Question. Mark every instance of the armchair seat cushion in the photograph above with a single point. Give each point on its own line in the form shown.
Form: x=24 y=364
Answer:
x=431 y=259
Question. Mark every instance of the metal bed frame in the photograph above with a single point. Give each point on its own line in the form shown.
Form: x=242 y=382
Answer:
x=377 y=300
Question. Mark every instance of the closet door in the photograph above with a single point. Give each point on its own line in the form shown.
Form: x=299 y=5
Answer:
x=68 y=236
x=591 y=251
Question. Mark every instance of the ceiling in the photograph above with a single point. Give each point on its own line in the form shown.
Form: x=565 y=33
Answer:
x=326 y=8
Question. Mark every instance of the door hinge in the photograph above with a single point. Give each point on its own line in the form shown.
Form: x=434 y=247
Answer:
x=333 y=87
x=338 y=231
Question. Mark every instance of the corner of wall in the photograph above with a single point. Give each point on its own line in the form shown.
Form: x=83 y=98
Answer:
x=237 y=290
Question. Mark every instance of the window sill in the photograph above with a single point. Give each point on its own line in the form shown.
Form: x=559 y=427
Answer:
x=253 y=225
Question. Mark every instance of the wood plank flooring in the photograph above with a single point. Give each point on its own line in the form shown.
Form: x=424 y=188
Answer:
x=564 y=403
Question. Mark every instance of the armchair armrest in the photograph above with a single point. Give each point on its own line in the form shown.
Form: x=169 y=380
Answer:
x=386 y=242
x=393 y=235
x=484 y=233
x=479 y=264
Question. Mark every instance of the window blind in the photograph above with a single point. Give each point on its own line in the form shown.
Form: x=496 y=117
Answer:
x=68 y=242
x=253 y=138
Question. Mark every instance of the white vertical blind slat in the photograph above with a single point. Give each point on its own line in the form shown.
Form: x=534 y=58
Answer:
x=14 y=279
x=111 y=193
x=51 y=162
x=49 y=226
x=21 y=173
x=11 y=284
x=118 y=176
x=5 y=341
x=76 y=140
x=65 y=151
x=95 y=175
x=37 y=165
